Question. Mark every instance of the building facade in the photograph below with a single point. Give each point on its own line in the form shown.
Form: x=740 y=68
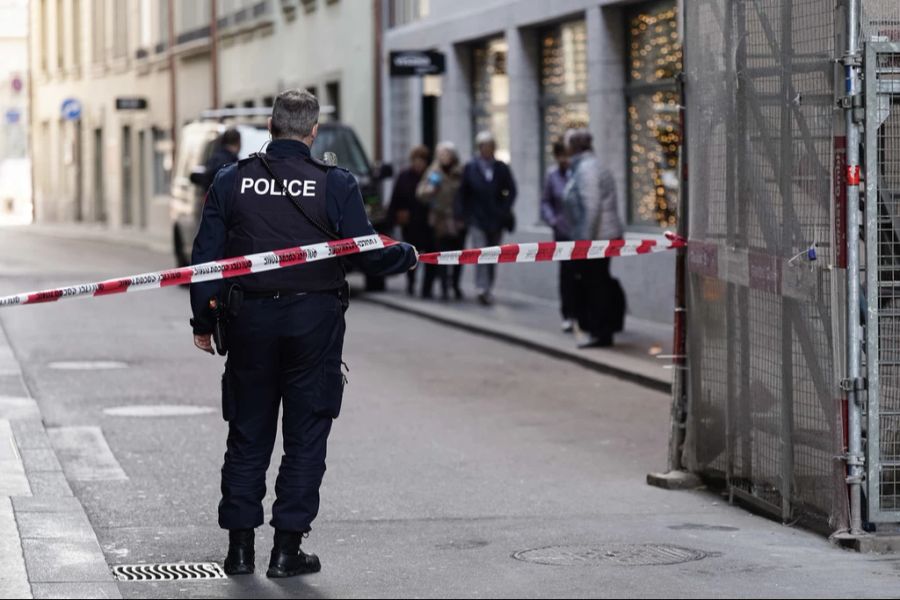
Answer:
x=15 y=183
x=528 y=70
x=115 y=80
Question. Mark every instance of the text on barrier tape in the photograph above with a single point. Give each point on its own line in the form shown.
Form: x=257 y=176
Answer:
x=279 y=259
x=219 y=269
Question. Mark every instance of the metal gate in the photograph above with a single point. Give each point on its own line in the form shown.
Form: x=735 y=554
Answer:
x=764 y=319
x=882 y=239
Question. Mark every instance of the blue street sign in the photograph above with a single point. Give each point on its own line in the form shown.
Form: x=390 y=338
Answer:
x=71 y=109
x=13 y=115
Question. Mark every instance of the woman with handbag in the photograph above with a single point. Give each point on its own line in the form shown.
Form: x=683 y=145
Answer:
x=438 y=190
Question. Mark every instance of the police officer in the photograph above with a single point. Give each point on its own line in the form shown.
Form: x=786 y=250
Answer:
x=285 y=344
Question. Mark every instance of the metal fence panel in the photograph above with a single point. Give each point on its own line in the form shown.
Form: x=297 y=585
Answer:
x=764 y=321
x=883 y=275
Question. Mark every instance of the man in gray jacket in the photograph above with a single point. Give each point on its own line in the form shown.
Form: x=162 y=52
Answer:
x=591 y=206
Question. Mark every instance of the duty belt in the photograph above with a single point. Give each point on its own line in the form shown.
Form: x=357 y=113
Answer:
x=276 y=294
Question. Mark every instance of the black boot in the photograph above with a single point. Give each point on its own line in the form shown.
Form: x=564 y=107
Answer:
x=288 y=559
x=241 y=559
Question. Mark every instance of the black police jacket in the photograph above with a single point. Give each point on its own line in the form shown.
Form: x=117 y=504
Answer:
x=260 y=220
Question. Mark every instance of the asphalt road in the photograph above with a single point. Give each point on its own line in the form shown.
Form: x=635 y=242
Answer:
x=453 y=454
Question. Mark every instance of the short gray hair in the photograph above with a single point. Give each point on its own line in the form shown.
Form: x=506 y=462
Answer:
x=294 y=114
x=484 y=137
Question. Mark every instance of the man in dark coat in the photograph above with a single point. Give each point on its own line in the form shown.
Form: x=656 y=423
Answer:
x=487 y=195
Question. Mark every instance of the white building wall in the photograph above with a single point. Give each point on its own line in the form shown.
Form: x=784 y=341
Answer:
x=265 y=55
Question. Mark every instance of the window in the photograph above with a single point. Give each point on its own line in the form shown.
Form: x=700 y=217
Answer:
x=76 y=33
x=98 y=33
x=333 y=98
x=563 y=83
x=145 y=32
x=401 y=12
x=60 y=36
x=654 y=61
x=45 y=46
x=490 y=93
x=162 y=31
x=120 y=31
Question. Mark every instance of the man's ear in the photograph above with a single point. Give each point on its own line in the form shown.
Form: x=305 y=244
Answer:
x=315 y=131
x=269 y=124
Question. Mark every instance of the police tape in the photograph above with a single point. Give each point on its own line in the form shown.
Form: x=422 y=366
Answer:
x=219 y=269
x=554 y=251
x=289 y=257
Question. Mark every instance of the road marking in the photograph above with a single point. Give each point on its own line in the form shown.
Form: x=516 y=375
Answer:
x=85 y=455
x=87 y=365
x=158 y=410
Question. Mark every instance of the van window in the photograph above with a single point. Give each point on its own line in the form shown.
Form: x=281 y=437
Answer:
x=342 y=142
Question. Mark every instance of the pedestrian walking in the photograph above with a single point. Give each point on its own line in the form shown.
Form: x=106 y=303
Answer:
x=439 y=190
x=410 y=214
x=553 y=213
x=285 y=328
x=591 y=209
x=487 y=195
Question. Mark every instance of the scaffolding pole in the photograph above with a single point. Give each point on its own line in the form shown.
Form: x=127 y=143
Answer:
x=852 y=61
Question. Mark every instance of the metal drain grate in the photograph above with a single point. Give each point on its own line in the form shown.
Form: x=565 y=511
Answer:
x=623 y=555
x=168 y=572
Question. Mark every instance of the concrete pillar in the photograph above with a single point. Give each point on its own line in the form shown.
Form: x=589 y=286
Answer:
x=606 y=93
x=523 y=66
x=456 y=103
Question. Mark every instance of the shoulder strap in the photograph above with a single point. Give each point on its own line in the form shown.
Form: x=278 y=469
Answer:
x=297 y=204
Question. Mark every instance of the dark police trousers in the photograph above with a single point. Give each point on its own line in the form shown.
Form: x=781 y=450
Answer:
x=282 y=351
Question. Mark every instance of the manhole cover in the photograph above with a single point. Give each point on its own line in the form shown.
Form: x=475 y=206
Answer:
x=168 y=572
x=87 y=365
x=624 y=555
x=158 y=410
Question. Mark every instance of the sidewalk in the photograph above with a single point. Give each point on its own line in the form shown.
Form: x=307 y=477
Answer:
x=48 y=548
x=100 y=233
x=640 y=355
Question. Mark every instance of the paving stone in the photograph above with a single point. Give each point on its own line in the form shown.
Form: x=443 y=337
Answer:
x=69 y=525
x=76 y=590
x=44 y=504
x=65 y=561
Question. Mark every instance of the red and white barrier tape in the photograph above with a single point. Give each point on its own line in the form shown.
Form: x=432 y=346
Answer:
x=554 y=251
x=279 y=259
x=220 y=269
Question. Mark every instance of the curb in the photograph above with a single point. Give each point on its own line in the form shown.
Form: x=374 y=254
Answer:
x=524 y=339
x=56 y=553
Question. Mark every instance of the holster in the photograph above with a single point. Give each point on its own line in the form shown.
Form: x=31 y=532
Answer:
x=226 y=310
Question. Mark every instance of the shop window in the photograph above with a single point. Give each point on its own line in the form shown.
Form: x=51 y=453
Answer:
x=654 y=58
x=563 y=84
x=490 y=93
